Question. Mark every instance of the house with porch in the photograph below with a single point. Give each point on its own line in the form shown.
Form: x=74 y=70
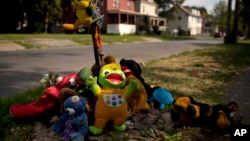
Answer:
x=148 y=19
x=123 y=16
x=188 y=19
x=130 y=16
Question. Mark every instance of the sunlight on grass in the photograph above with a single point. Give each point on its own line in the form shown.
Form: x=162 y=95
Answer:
x=201 y=73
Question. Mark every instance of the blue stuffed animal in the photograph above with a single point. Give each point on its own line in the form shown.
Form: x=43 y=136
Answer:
x=75 y=115
x=162 y=96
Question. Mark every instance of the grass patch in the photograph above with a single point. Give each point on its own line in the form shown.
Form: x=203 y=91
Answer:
x=200 y=73
x=11 y=129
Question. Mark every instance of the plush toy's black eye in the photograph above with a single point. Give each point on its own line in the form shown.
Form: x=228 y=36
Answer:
x=106 y=72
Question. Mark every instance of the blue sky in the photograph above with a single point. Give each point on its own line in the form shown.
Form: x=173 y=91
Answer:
x=208 y=4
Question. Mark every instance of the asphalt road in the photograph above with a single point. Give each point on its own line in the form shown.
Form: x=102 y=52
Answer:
x=22 y=70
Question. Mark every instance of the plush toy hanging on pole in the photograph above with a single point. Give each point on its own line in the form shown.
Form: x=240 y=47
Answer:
x=88 y=16
x=83 y=12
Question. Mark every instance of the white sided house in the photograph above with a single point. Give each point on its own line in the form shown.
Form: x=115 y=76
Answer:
x=188 y=19
x=130 y=16
x=148 y=16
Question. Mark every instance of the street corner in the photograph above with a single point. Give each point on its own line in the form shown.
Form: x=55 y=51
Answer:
x=10 y=46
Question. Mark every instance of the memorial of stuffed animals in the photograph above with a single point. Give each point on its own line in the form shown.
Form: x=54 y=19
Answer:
x=107 y=94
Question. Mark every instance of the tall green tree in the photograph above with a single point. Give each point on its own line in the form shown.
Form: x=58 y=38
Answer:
x=51 y=11
x=168 y=7
x=42 y=13
x=219 y=14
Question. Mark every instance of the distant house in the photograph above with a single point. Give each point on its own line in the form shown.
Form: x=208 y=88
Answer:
x=148 y=18
x=119 y=16
x=188 y=19
x=130 y=16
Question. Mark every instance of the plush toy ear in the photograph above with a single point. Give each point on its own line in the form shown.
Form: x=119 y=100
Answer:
x=109 y=59
x=65 y=93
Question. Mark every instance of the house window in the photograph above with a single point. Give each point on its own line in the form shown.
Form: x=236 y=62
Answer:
x=179 y=18
x=128 y=4
x=143 y=8
x=131 y=19
x=116 y=3
x=162 y=23
x=124 y=18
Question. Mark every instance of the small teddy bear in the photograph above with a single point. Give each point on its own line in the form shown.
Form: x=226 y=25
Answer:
x=75 y=113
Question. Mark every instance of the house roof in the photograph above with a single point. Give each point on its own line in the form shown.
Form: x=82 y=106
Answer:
x=188 y=11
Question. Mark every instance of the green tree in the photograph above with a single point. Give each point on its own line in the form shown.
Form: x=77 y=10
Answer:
x=219 y=14
x=168 y=7
x=42 y=13
x=51 y=11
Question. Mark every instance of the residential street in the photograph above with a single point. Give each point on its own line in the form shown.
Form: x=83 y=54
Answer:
x=22 y=70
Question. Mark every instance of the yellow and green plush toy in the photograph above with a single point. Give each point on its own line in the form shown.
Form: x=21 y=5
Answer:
x=83 y=10
x=111 y=93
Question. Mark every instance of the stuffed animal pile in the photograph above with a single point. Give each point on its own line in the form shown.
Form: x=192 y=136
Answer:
x=88 y=100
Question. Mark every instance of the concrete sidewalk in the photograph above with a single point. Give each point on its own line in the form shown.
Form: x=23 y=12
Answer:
x=10 y=46
x=39 y=43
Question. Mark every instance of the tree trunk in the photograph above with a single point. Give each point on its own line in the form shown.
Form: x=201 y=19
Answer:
x=46 y=25
x=247 y=31
x=228 y=29
x=235 y=23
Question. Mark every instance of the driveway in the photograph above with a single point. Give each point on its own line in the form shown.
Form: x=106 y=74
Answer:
x=22 y=70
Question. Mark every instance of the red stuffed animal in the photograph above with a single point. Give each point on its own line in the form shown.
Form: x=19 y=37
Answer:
x=48 y=101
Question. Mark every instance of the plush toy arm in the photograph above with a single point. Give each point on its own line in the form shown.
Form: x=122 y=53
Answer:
x=80 y=120
x=59 y=126
x=91 y=82
x=131 y=87
x=63 y=118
